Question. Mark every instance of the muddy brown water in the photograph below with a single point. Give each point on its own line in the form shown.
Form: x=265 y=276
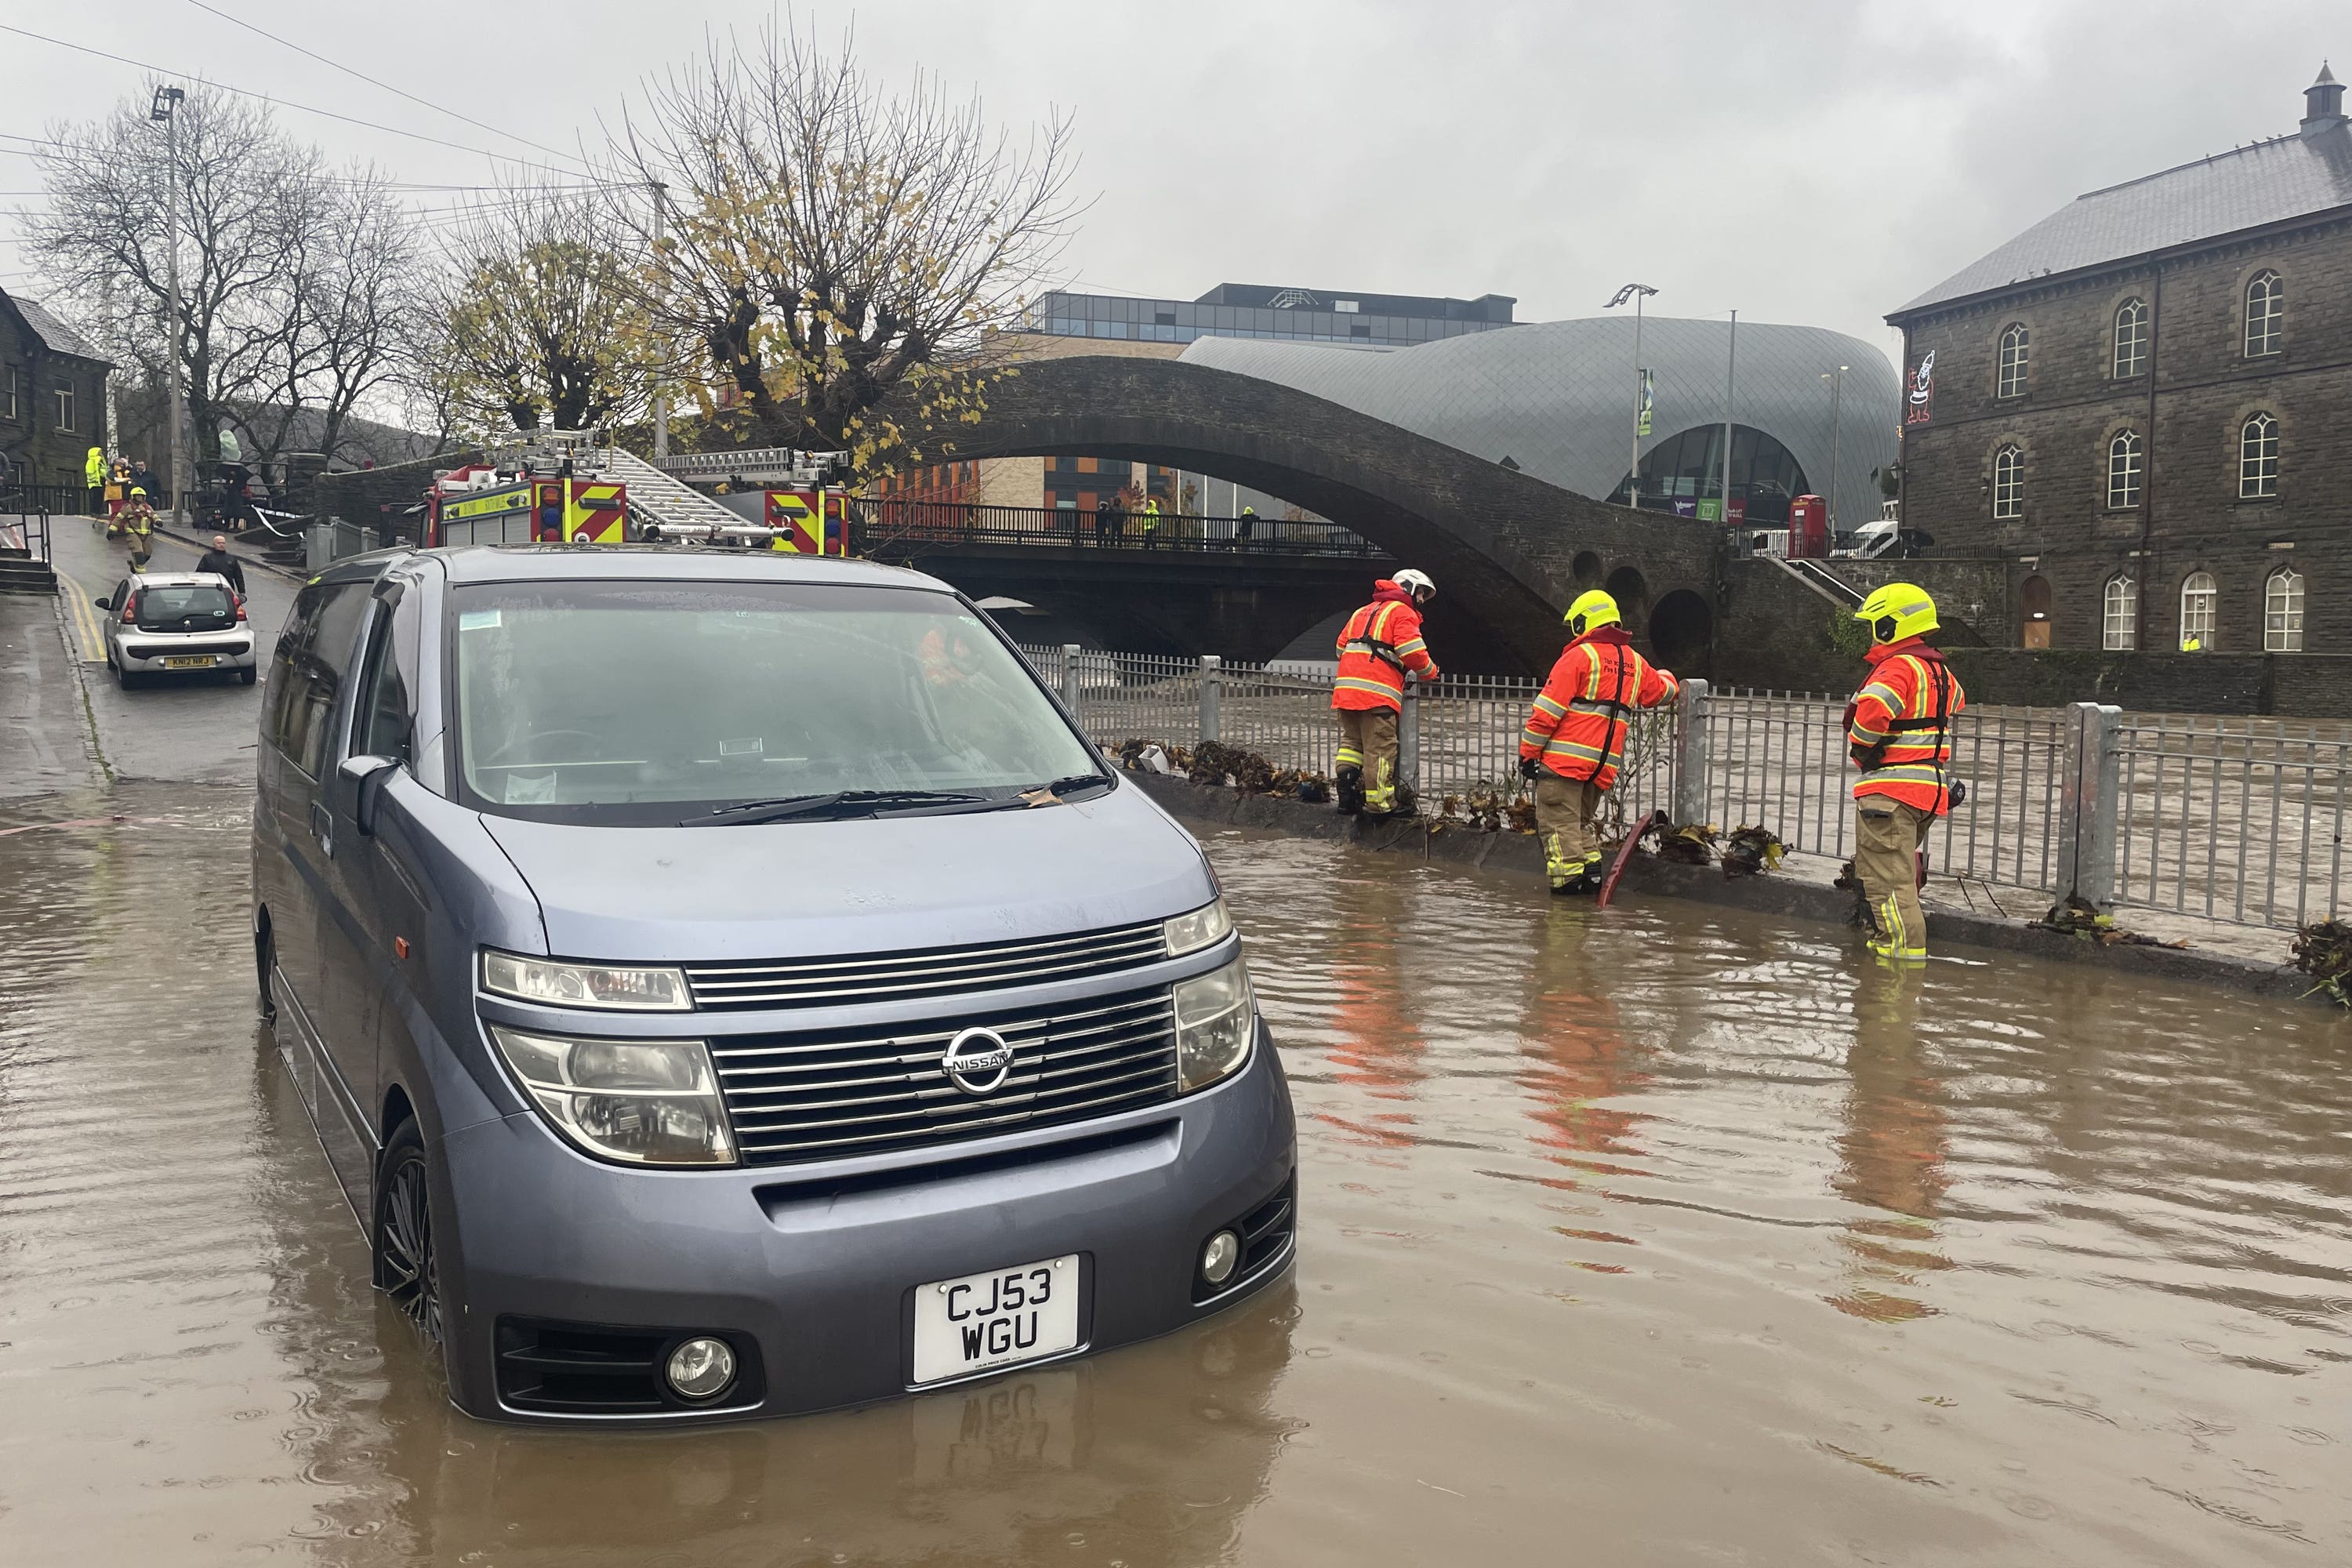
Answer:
x=1664 y=1236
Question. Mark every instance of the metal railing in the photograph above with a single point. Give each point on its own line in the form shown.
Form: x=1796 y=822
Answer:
x=62 y=500
x=911 y=526
x=2239 y=820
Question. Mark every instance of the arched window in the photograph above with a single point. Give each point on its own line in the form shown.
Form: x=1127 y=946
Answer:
x=2124 y=469
x=2119 y=618
x=2009 y=482
x=2009 y=382
x=2283 y=612
x=2266 y=315
x=2198 y=596
x=2257 y=458
x=2131 y=339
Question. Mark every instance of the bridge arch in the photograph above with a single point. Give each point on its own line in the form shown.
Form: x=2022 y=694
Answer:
x=1504 y=547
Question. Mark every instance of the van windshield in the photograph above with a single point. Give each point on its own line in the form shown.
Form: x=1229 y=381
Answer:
x=645 y=703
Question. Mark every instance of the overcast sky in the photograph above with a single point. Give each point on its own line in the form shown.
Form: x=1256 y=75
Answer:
x=1803 y=163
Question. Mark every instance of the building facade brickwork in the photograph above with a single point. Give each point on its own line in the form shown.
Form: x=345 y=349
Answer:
x=2161 y=471
x=52 y=397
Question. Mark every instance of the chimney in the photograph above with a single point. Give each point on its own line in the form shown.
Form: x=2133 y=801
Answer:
x=2324 y=101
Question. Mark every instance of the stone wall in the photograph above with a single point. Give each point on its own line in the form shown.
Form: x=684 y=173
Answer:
x=378 y=498
x=2187 y=411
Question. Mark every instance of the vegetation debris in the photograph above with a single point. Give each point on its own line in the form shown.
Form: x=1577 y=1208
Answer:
x=1751 y=849
x=2072 y=917
x=1693 y=844
x=1213 y=761
x=2324 y=951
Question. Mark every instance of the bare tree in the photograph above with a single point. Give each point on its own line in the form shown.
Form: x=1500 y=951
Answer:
x=290 y=274
x=824 y=245
x=536 y=320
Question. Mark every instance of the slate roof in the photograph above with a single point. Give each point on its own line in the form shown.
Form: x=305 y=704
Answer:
x=54 y=335
x=1556 y=397
x=2267 y=183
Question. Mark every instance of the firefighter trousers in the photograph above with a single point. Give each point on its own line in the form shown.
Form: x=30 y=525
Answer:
x=1368 y=740
x=1887 y=839
x=1565 y=809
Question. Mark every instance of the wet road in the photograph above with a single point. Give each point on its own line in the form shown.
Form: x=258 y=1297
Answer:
x=1662 y=1236
x=196 y=727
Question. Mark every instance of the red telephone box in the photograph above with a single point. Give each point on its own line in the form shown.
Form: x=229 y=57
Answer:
x=1808 y=528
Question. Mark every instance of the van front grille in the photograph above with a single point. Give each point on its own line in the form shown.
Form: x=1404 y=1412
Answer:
x=830 y=982
x=824 y=1095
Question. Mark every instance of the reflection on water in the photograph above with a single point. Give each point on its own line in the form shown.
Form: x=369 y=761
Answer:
x=1657 y=1235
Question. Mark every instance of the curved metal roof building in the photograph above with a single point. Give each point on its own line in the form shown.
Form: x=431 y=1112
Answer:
x=1557 y=398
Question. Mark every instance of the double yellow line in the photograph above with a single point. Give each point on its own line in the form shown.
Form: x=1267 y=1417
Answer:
x=81 y=616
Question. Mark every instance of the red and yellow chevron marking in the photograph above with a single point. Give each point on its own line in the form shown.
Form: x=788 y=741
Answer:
x=595 y=511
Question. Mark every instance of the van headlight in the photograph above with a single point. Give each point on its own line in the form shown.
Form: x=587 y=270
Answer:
x=1215 y=1018
x=648 y=1103
x=1206 y=925
x=624 y=989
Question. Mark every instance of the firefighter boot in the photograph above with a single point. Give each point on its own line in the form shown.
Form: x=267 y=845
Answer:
x=1558 y=867
x=1348 y=786
x=1895 y=944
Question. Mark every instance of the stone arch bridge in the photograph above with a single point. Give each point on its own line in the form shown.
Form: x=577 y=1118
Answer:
x=1508 y=551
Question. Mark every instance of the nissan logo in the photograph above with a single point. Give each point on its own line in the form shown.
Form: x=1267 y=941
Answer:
x=978 y=1061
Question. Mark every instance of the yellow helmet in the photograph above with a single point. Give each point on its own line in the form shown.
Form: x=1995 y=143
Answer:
x=1594 y=609
x=1898 y=611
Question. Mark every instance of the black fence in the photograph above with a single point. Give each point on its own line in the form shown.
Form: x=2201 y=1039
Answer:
x=908 y=527
x=70 y=501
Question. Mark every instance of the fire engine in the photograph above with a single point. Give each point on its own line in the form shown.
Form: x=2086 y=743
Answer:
x=578 y=488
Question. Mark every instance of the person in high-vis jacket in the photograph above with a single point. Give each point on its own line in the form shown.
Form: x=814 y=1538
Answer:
x=1899 y=728
x=93 y=475
x=1379 y=643
x=1575 y=736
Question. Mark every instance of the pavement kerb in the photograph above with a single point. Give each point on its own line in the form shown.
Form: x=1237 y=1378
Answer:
x=1518 y=855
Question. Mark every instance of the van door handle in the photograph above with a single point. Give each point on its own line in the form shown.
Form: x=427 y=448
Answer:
x=323 y=828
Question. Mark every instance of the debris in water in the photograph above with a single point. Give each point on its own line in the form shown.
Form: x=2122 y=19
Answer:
x=2324 y=951
x=1213 y=761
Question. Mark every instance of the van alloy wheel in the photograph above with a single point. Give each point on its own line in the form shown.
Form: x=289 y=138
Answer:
x=406 y=1265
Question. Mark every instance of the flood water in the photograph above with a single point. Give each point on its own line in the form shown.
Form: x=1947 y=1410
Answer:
x=1658 y=1236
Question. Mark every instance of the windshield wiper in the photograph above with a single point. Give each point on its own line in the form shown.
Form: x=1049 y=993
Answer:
x=840 y=803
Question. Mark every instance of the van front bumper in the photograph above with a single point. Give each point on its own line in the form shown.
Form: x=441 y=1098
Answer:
x=810 y=1271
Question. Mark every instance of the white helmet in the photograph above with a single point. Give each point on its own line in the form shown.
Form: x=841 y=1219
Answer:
x=1414 y=581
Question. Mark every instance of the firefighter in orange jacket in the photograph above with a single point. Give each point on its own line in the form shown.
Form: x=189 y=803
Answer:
x=1899 y=728
x=1377 y=644
x=1575 y=736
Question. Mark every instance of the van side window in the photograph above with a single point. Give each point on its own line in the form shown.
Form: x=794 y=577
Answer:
x=307 y=677
x=387 y=715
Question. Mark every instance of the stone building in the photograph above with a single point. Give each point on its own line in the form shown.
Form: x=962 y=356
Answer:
x=2138 y=405
x=52 y=396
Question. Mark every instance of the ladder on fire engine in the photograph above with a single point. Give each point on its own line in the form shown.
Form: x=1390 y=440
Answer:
x=655 y=498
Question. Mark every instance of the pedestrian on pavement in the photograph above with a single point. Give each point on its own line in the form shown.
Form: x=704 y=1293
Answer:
x=139 y=527
x=1575 y=736
x=1111 y=521
x=139 y=472
x=1245 y=526
x=219 y=559
x=1899 y=729
x=1151 y=524
x=1378 y=645
x=93 y=475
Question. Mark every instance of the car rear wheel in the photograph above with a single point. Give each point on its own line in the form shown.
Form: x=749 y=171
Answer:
x=245 y=676
x=406 y=1268
x=124 y=678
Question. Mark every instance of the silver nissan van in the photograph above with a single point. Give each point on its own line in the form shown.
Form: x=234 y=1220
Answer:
x=730 y=984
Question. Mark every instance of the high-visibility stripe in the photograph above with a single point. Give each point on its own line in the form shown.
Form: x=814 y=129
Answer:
x=1549 y=706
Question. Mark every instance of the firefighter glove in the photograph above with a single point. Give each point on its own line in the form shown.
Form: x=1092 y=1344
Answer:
x=1530 y=767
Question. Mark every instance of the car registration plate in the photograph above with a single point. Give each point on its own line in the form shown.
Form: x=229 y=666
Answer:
x=1002 y=1318
x=188 y=661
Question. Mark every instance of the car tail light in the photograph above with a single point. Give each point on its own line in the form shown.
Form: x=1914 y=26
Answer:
x=129 y=611
x=240 y=609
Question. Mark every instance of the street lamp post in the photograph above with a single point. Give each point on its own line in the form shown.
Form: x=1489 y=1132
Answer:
x=661 y=397
x=1730 y=383
x=1837 y=389
x=1637 y=292
x=166 y=103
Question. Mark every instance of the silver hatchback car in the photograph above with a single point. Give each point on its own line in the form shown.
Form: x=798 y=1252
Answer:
x=171 y=623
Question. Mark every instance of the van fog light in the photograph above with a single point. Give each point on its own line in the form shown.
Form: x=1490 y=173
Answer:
x=700 y=1368
x=1217 y=1259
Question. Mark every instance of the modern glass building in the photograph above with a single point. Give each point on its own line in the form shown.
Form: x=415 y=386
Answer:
x=1260 y=311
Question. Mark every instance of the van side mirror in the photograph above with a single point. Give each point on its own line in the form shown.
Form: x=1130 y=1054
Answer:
x=369 y=775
